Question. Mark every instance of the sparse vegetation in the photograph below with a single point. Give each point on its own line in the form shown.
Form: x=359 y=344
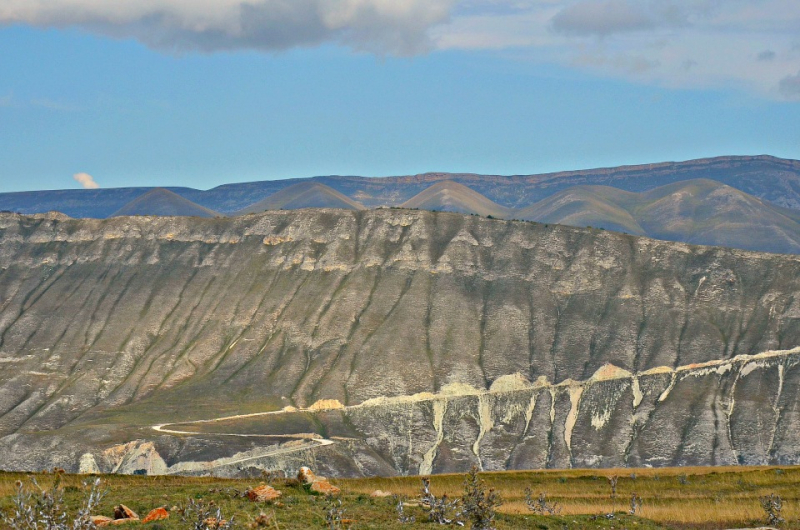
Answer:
x=773 y=505
x=38 y=508
x=441 y=510
x=401 y=514
x=334 y=512
x=479 y=504
x=712 y=499
x=612 y=483
x=636 y=505
x=199 y=514
x=540 y=505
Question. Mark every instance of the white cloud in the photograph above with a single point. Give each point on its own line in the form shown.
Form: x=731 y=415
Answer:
x=747 y=44
x=381 y=26
x=751 y=44
x=611 y=16
x=86 y=180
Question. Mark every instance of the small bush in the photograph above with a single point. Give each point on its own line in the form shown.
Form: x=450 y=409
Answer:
x=636 y=504
x=772 y=505
x=334 y=513
x=612 y=483
x=440 y=510
x=540 y=505
x=401 y=514
x=45 y=508
x=201 y=516
x=479 y=505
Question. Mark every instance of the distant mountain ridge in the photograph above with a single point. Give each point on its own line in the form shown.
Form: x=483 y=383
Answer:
x=769 y=178
x=303 y=195
x=163 y=202
x=751 y=203
x=449 y=196
x=699 y=211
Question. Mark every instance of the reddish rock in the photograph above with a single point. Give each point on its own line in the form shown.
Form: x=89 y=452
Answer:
x=132 y=520
x=100 y=520
x=306 y=476
x=123 y=512
x=325 y=488
x=263 y=494
x=156 y=515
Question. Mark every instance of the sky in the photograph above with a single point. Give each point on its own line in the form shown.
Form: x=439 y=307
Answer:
x=200 y=93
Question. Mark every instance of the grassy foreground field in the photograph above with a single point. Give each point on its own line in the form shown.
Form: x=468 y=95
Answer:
x=702 y=498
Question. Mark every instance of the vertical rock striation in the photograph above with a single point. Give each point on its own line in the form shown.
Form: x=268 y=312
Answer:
x=108 y=327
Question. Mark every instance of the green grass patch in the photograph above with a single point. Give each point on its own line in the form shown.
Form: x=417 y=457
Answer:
x=697 y=498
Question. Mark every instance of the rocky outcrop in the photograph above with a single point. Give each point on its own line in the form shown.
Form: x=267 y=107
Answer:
x=123 y=512
x=736 y=411
x=263 y=493
x=157 y=514
x=109 y=327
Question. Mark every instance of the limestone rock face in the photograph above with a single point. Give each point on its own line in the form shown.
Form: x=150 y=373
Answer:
x=568 y=337
x=88 y=465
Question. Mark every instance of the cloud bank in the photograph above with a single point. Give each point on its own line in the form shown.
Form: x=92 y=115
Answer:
x=381 y=26
x=749 y=44
x=86 y=180
x=616 y=16
x=752 y=45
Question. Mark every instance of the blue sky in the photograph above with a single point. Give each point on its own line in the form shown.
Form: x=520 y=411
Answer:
x=200 y=93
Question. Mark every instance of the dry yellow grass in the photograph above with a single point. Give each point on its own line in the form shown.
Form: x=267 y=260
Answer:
x=684 y=496
x=700 y=498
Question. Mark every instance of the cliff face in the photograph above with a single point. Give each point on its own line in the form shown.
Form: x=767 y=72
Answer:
x=731 y=412
x=108 y=327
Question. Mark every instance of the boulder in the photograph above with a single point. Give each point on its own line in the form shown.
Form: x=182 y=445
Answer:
x=323 y=487
x=263 y=494
x=306 y=476
x=318 y=484
x=123 y=512
x=156 y=515
x=118 y=522
x=100 y=520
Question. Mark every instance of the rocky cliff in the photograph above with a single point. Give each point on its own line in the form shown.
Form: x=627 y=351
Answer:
x=110 y=327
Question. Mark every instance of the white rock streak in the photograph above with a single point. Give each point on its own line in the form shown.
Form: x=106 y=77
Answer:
x=742 y=364
x=439 y=408
x=486 y=423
